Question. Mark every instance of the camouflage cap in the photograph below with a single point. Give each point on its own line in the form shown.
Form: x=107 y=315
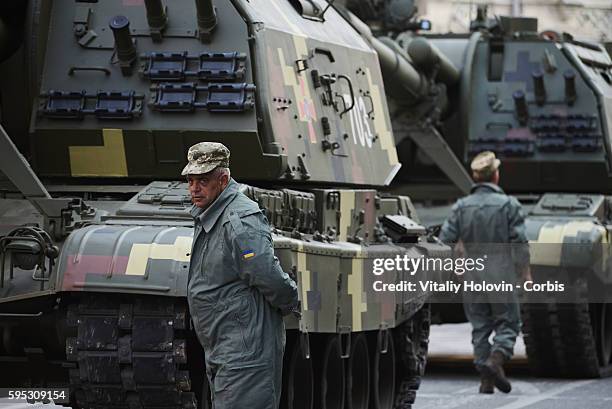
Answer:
x=206 y=156
x=485 y=163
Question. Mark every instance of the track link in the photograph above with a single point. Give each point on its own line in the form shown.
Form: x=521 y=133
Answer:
x=559 y=337
x=412 y=340
x=129 y=353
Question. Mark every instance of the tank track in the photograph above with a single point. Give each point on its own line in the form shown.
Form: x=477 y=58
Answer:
x=412 y=339
x=129 y=353
x=559 y=337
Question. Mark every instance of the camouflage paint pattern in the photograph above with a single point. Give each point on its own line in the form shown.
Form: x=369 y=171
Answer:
x=335 y=277
x=304 y=119
x=132 y=253
x=155 y=143
x=559 y=142
x=566 y=231
x=148 y=259
x=320 y=113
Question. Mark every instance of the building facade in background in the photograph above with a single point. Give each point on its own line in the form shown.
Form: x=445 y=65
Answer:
x=584 y=18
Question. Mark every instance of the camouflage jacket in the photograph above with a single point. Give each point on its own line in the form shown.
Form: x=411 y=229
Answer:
x=487 y=220
x=236 y=289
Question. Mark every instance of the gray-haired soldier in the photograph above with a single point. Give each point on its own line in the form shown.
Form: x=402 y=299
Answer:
x=489 y=217
x=237 y=291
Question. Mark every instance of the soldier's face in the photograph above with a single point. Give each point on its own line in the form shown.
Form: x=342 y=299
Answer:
x=204 y=189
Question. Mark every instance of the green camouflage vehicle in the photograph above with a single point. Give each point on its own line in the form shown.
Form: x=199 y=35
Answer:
x=543 y=103
x=100 y=101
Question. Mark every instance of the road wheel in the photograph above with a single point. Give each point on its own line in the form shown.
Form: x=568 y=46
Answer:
x=298 y=376
x=329 y=373
x=570 y=339
x=383 y=370
x=602 y=327
x=358 y=374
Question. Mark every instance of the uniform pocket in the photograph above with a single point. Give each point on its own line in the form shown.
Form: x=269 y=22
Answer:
x=245 y=386
x=249 y=324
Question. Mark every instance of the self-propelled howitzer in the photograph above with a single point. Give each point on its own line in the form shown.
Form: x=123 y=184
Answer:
x=105 y=98
x=543 y=103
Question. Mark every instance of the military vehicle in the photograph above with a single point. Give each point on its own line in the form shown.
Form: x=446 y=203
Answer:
x=100 y=101
x=543 y=103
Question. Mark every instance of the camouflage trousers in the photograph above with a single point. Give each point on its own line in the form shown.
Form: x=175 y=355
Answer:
x=502 y=318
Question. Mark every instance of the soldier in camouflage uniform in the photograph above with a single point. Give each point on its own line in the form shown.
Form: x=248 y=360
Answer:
x=237 y=291
x=485 y=219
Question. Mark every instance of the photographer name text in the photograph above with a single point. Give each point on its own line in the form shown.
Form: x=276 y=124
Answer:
x=466 y=286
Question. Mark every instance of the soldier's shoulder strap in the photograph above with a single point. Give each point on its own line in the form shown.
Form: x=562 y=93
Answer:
x=236 y=215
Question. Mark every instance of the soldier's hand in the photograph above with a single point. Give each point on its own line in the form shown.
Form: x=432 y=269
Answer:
x=297 y=311
x=459 y=249
x=293 y=273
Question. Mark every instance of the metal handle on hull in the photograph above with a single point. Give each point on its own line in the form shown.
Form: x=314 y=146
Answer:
x=73 y=69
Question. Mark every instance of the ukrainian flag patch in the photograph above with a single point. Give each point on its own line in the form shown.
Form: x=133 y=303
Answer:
x=247 y=254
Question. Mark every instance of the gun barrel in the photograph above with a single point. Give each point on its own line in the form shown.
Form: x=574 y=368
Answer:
x=407 y=74
x=403 y=82
x=427 y=57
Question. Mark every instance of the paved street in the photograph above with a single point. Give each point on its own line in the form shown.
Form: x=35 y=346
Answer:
x=453 y=341
x=451 y=382
x=460 y=391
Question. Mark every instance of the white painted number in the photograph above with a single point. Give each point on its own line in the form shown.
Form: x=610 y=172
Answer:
x=360 y=126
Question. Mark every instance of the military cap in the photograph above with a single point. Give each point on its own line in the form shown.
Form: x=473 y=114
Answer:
x=485 y=163
x=206 y=156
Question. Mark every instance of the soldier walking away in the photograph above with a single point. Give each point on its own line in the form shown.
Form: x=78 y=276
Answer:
x=237 y=291
x=488 y=216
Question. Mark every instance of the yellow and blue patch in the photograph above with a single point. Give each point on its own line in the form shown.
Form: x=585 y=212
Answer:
x=247 y=254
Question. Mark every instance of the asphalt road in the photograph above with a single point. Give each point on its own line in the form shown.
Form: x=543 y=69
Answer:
x=451 y=382
x=460 y=391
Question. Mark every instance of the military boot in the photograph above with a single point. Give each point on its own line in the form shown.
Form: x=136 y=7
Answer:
x=493 y=367
x=487 y=384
